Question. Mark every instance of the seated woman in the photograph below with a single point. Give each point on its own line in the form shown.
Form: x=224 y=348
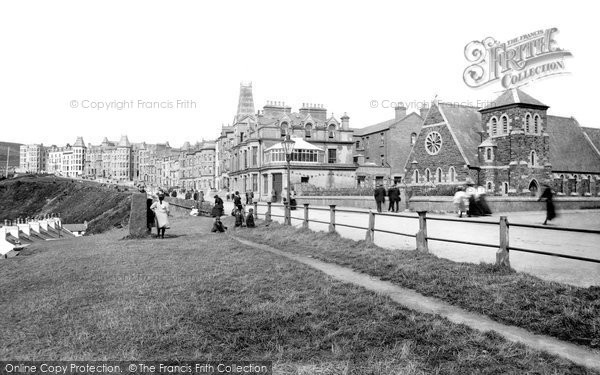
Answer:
x=250 y=219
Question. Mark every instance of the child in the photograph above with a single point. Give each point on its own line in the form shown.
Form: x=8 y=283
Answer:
x=250 y=219
x=218 y=226
x=239 y=218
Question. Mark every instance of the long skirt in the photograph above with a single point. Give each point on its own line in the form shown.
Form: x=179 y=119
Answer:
x=162 y=219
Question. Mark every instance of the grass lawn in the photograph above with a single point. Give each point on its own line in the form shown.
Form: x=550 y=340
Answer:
x=203 y=296
x=567 y=312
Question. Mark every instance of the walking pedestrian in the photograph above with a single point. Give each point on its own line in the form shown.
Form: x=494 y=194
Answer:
x=547 y=195
x=379 y=195
x=460 y=201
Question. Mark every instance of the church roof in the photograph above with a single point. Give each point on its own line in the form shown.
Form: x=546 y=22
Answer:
x=245 y=101
x=570 y=149
x=514 y=96
x=464 y=123
x=593 y=134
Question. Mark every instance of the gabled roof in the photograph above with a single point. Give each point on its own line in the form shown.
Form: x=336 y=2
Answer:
x=513 y=96
x=570 y=150
x=464 y=123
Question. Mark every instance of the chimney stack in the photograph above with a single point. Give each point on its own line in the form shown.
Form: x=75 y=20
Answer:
x=345 y=122
x=400 y=112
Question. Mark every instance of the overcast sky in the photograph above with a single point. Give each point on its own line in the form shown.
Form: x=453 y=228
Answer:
x=62 y=54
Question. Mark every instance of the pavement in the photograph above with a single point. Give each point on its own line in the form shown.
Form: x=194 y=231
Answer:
x=551 y=268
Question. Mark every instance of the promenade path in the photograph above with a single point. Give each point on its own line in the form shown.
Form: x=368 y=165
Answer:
x=551 y=268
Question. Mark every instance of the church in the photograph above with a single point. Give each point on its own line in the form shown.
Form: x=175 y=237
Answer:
x=511 y=147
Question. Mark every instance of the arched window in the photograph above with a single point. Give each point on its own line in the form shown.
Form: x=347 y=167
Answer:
x=452 y=174
x=284 y=129
x=505 y=188
x=308 y=131
x=489 y=186
x=331 y=130
x=427 y=175
x=589 y=186
x=562 y=183
x=413 y=138
x=488 y=153
x=438 y=174
x=536 y=124
x=494 y=126
x=532 y=158
x=504 y=124
x=527 y=123
x=416 y=176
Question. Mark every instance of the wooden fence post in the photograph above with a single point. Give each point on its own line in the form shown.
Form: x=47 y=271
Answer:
x=332 y=218
x=422 y=233
x=502 y=257
x=370 y=236
x=305 y=222
x=255 y=210
x=268 y=214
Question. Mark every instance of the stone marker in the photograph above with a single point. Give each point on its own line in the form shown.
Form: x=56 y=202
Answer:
x=138 y=216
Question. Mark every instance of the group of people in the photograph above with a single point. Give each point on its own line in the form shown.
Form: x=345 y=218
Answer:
x=241 y=220
x=471 y=201
x=393 y=193
x=249 y=196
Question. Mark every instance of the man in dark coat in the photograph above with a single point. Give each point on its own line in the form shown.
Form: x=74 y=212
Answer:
x=379 y=196
x=547 y=196
x=394 y=197
x=250 y=219
x=237 y=200
x=218 y=226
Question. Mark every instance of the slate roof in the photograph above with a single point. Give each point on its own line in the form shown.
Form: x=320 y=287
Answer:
x=593 y=134
x=513 y=96
x=464 y=123
x=376 y=128
x=570 y=149
x=124 y=142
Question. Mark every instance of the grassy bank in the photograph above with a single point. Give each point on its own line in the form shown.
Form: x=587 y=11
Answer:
x=566 y=312
x=203 y=296
x=76 y=201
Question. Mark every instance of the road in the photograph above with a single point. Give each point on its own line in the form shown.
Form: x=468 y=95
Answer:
x=546 y=267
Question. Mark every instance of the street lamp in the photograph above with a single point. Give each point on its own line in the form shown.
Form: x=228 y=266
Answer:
x=288 y=148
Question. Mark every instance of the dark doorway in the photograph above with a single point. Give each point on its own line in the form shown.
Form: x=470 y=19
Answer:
x=277 y=185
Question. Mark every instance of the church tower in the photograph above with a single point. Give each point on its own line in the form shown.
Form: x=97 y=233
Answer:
x=514 y=156
x=245 y=102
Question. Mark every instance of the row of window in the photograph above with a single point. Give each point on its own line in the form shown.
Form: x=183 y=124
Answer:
x=365 y=140
x=533 y=125
x=437 y=178
x=308 y=130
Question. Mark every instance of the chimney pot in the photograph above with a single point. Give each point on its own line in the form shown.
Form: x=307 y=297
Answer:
x=400 y=112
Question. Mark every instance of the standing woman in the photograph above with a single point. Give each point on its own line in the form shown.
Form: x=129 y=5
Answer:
x=161 y=211
x=218 y=208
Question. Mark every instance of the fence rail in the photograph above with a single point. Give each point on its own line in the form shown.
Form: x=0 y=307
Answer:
x=503 y=246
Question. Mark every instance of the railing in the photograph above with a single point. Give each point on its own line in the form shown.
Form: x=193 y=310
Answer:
x=422 y=238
